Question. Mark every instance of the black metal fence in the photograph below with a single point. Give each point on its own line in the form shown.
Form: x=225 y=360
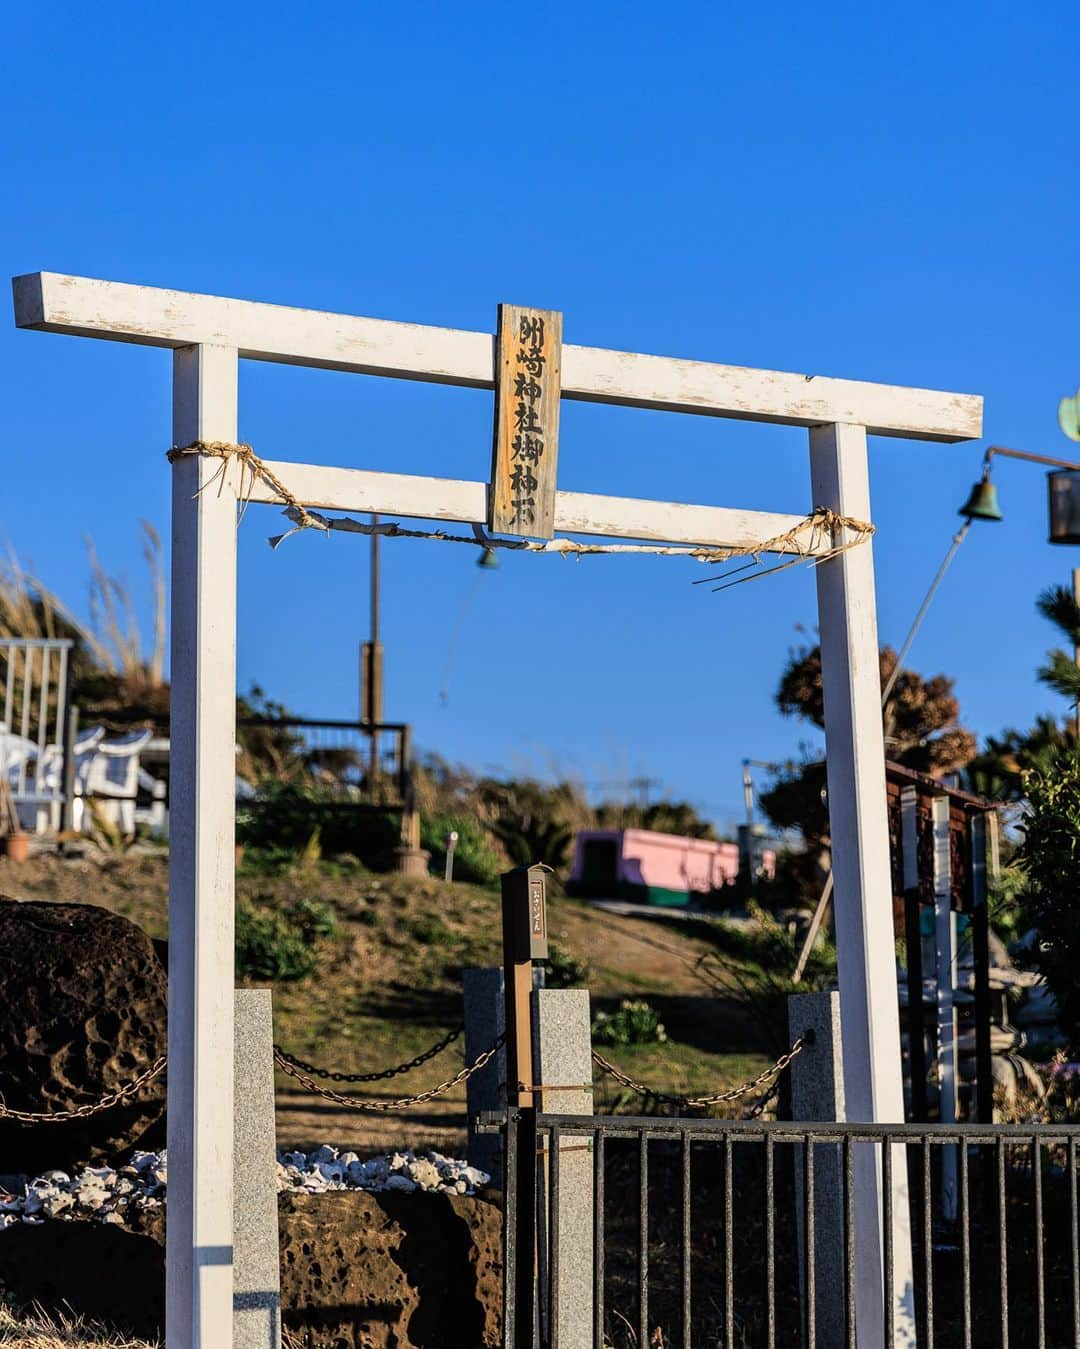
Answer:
x=359 y=760
x=736 y=1234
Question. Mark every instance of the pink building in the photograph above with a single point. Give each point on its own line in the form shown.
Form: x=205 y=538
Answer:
x=650 y=867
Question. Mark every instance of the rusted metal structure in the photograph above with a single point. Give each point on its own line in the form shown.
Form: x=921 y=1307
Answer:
x=943 y=847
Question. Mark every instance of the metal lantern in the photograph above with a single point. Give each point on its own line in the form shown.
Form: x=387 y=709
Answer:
x=982 y=504
x=1064 y=487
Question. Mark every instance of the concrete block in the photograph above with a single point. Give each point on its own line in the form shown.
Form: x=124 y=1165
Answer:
x=562 y=1045
x=256 y=1273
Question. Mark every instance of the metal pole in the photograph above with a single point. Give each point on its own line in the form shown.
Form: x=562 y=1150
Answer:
x=374 y=709
x=71 y=734
x=524 y=931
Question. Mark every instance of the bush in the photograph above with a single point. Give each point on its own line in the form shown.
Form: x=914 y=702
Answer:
x=288 y=816
x=281 y=944
x=475 y=858
x=1050 y=858
x=635 y=1023
x=563 y=970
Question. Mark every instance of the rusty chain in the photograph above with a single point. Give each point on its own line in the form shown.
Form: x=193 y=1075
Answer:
x=107 y=1101
x=700 y=1102
x=381 y=1107
x=301 y=1072
x=284 y=1057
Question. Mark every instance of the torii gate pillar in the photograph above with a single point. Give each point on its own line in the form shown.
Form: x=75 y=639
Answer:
x=199 y=1231
x=859 y=829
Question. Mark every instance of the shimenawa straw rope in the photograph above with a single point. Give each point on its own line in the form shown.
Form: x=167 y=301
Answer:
x=802 y=541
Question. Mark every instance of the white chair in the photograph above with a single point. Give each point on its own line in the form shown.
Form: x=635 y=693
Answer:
x=112 y=779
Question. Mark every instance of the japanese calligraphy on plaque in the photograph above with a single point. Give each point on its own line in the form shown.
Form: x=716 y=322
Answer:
x=528 y=358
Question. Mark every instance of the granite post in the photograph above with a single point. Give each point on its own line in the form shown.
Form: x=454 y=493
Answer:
x=817 y=1096
x=256 y=1273
x=562 y=1040
x=485 y=1021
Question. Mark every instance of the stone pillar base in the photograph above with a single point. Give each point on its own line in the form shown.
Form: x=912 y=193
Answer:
x=412 y=861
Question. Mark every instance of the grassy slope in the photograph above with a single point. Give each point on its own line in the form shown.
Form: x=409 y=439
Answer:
x=389 y=983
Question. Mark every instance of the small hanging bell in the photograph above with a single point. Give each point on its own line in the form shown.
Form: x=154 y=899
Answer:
x=488 y=559
x=982 y=504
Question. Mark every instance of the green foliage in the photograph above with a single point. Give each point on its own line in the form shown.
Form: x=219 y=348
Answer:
x=921 y=731
x=534 y=822
x=665 y=817
x=999 y=771
x=1058 y=604
x=1050 y=857
x=281 y=944
x=290 y=815
x=564 y=970
x=475 y=857
x=428 y=929
x=1008 y=902
x=635 y=1023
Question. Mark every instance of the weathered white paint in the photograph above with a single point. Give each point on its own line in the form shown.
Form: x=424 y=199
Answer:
x=267 y=332
x=199 y=1274
x=945 y=947
x=446 y=499
x=866 y=953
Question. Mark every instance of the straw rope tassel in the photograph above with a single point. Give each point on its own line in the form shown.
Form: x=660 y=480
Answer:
x=252 y=466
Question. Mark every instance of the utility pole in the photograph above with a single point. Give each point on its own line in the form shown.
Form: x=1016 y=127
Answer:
x=371 y=668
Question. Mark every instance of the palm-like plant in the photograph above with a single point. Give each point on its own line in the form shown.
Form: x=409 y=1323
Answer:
x=1061 y=672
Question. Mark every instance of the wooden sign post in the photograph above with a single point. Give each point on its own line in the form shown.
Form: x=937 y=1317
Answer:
x=525 y=456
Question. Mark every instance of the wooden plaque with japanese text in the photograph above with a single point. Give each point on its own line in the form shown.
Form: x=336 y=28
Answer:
x=528 y=360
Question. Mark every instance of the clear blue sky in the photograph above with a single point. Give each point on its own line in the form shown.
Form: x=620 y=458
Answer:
x=887 y=193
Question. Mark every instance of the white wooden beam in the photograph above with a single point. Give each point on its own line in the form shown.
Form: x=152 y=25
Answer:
x=858 y=822
x=199 y=1232
x=266 y=332
x=447 y=499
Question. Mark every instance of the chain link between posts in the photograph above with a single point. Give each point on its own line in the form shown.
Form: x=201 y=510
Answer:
x=289 y=1061
x=305 y=1074
x=110 y=1099
x=288 y=1065
x=700 y=1102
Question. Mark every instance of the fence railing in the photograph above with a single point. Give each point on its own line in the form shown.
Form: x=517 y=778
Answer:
x=736 y=1234
x=35 y=694
x=353 y=756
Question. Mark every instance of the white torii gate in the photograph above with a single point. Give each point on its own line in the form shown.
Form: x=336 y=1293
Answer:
x=208 y=336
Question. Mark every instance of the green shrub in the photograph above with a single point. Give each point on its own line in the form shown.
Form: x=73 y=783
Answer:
x=1050 y=858
x=475 y=858
x=635 y=1023
x=428 y=929
x=564 y=970
x=293 y=817
x=281 y=944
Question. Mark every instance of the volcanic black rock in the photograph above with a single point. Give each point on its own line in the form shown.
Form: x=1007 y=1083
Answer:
x=82 y=1012
x=358 y=1270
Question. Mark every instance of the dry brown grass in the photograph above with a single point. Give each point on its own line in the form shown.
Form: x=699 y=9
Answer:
x=39 y=1330
x=112 y=637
